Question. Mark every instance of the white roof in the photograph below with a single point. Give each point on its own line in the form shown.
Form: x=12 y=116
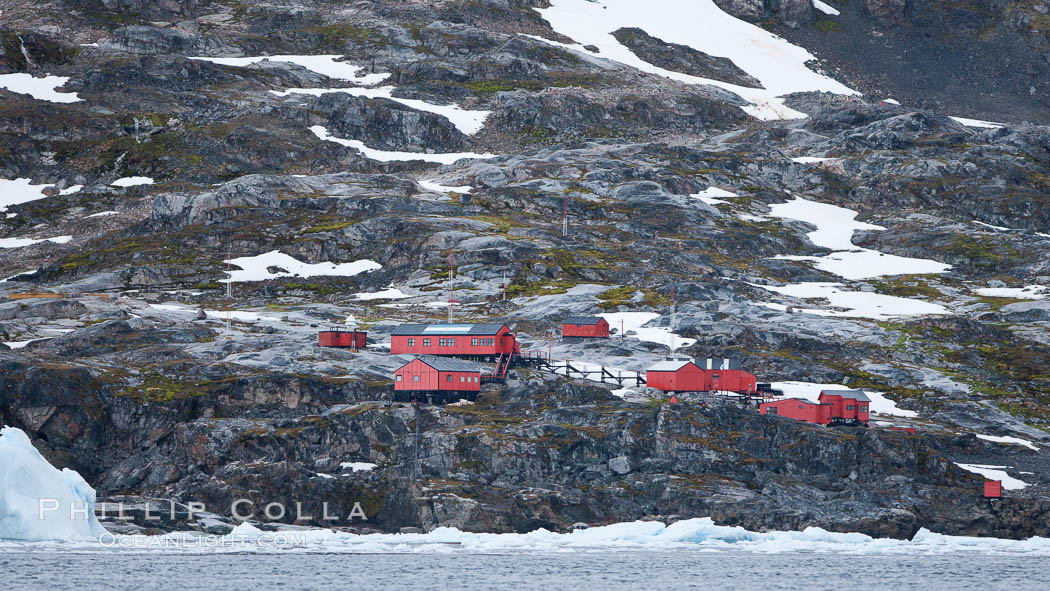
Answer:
x=668 y=365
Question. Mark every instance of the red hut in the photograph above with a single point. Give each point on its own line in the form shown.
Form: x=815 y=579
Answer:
x=458 y=340
x=725 y=375
x=847 y=405
x=438 y=378
x=993 y=489
x=355 y=339
x=676 y=376
x=799 y=409
x=591 y=327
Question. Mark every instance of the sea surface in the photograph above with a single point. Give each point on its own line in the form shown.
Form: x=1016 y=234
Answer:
x=520 y=571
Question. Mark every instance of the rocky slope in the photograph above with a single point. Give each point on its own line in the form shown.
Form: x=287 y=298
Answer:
x=464 y=128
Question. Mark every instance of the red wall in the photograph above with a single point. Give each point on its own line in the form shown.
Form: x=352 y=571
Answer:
x=689 y=378
x=431 y=379
x=599 y=330
x=339 y=338
x=839 y=410
x=730 y=380
x=503 y=343
x=799 y=410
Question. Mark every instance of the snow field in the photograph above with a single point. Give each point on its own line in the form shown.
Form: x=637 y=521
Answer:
x=326 y=65
x=257 y=268
x=18 y=191
x=392 y=156
x=43 y=89
x=132 y=181
x=856 y=304
x=21 y=242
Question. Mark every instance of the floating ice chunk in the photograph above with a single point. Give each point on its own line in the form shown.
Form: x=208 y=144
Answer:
x=38 y=501
x=44 y=89
x=257 y=268
x=1008 y=439
x=388 y=156
x=132 y=181
x=994 y=473
x=18 y=191
x=468 y=122
x=326 y=65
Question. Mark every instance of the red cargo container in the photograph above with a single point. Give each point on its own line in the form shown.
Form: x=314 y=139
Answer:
x=355 y=339
x=676 y=376
x=799 y=409
x=847 y=405
x=439 y=378
x=458 y=340
x=592 y=327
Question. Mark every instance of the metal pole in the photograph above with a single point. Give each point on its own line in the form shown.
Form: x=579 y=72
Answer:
x=550 y=335
x=565 y=216
x=450 y=263
x=415 y=452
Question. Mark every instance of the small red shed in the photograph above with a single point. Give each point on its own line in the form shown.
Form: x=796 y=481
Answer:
x=725 y=375
x=676 y=376
x=847 y=405
x=993 y=489
x=440 y=378
x=799 y=409
x=458 y=340
x=591 y=327
x=355 y=339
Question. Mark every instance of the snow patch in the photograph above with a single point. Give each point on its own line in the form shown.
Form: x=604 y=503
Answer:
x=132 y=181
x=103 y=214
x=22 y=242
x=979 y=123
x=810 y=159
x=390 y=293
x=468 y=122
x=390 y=156
x=994 y=473
x=778 y=65
x=1009 y=439
x=433 y=185
x=18 y=191
x=711 y=195
x=1031 y=292
x=855 y=304
x=71 y=190
x=43 y=89
x=635 y=321
x=326 y=65
x=257 y=268
x=358 y=466
x=825 y=8
x=38 y=501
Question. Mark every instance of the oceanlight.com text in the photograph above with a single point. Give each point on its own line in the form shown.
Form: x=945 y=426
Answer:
x=193 y=541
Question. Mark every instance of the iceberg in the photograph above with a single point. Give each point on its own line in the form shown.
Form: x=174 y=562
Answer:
x=38 y=501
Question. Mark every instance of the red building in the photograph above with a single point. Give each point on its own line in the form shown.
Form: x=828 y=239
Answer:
x=592 y=327
x=993 y=489
x=355 y=339
x=459 y=340
x=437 y=378
x=676 y=376
x=847 y=405
x=725 y=375
x=799 y=409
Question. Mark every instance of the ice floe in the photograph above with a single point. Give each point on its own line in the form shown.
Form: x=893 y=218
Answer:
x=326 y=65
x=853 y=304
x=258 y=268
x=391 y=156
x=18 y=191
x=466 y=121
x=38 y=501
x=44 y=89
x=995 y=473
x=778 y=65
x=132 y=181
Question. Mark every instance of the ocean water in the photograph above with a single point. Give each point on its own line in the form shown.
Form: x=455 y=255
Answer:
x=521 y=571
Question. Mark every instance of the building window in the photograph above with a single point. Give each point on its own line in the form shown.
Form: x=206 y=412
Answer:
x=492 y=342
x=398 y=378
x=441 y=342
x=772 y=410
x=851 y=407
x=863 y=408
x=426 y=342
x=411 y=342
x=473 y=342
x=448 y=378
x=452 y=342
x=415 y=378
x=800 y=407
x=462 y=379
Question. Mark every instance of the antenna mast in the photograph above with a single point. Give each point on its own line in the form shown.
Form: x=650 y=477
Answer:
x=451 y=266
x=229 y=291
x=565 y=216
x=674 y=351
